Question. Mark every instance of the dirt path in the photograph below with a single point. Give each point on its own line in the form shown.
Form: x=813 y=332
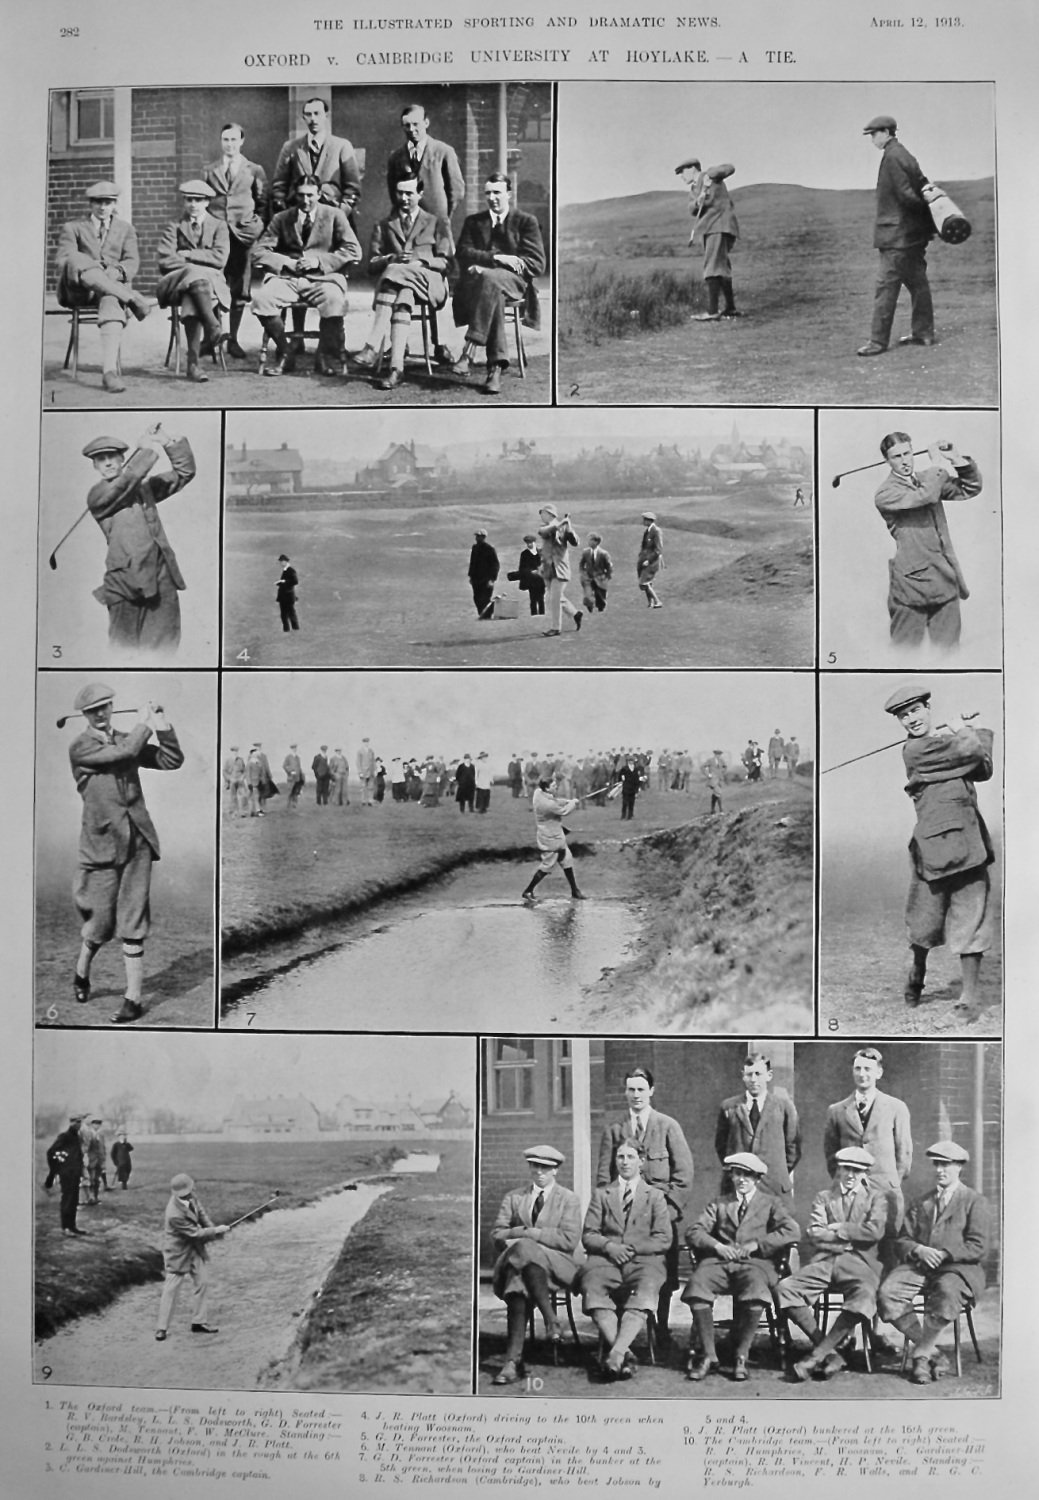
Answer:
x=264 y=1277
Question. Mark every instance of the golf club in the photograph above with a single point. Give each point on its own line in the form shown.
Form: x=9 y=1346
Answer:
x=60 y=723
x=880 y=748
x=917 y=453
x=254 y=1211
x=52 y=561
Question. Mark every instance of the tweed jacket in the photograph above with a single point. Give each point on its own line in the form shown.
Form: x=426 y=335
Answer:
x=766 y=1223
x=648 y=1230
x=520 y=235
x=925 y=570
x=555 y=558
x=557 y=1231
x=963 y=1230
x=336 y=170
x=125 y=509
x=903 y=219
x=187 y=1230
x=950 y=834
x=668 y=1163
x=242 y=197
x=887 y=1137
x=860 y=1230
x=332 y=243
x=596 y=564
x=179 y=255
x=119 y=256
x=439 y=175
x=711 y=205
x=429 y=239
x=777 y=1140
x=108 y=779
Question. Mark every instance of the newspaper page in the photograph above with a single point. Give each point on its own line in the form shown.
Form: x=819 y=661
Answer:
x=517 y=635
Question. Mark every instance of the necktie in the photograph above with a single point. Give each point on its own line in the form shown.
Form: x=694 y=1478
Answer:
x=414 y=156
x=308 y=224
x=628 y=1195
x=640 y=1130
x=539 y=1203
x=863 y=1109
x=741 y=1212
x=103 y=228
x=755 y=1114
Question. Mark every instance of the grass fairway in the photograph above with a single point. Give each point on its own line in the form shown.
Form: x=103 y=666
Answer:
x=804 y=272
x=388 y=587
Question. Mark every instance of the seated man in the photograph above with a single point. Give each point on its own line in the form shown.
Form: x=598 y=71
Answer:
x=500 y=252
x=944 y=1239
x=97 y=261
x=410 y=253
x=536 y=1233
x=847 y=1223
x=302 y=256
x=192 y=255
x=734 y=1243
x=595 y=571
x=627 y=1233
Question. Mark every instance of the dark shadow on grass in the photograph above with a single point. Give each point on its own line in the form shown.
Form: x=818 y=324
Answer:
x=477 y=640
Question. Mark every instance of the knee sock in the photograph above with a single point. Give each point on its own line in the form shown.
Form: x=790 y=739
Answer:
x=133 y=959
x=111 y=338
x=517 y=1326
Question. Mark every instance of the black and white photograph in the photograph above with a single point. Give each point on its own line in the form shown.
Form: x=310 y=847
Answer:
x=429 y=851
x=125 y=865
x=910 y=540
x=911 y=842
x=554 y=539
x=129 y=566
x=744 y=242
x=733 y=1220
x=355 y=245
x=240 y=1213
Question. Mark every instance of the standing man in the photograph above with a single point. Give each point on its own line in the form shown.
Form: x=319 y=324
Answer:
x=776 y=751
x=528 y=574
x=366 y=771
x=234 y=783
x=483 y=574
x=793 y=755
x=714 y=221
x=595 y=570
x=317 y=154
x=925 y=581
x=95 y=1159
x=631 y=784
x=242 y=200
x=650 y=559
x=97 y=261
x=302 y=257
x=950 y=850
x=557 y=537
x=192 y=254
x=667 y=1165
x=483 y=783
x=142 y=578
x=875 y=1122
x=65 y=1162
x=294 y=776
x=902 y=231
x=713 y=779
x=118 y=843
x=500 y=252
x=188 y=1229
x=122 y=1153
x=465 y=784
x=322 y=776
x=285 y=594
x=339 y=769
x=259 y=781
x=549 y=812
x=432 y=163
x=516 y=776
x=761 y=1121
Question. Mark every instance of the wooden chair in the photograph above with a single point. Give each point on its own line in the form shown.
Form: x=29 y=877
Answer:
x=831 y=1301
x=968 y=1313
x=78 y=316
x=562 y=1297
x=173 y=347
x=299 y=332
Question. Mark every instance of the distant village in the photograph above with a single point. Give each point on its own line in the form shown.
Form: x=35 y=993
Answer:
x=418 y=473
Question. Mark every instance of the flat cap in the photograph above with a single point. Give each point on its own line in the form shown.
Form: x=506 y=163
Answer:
x=853 y=1156
x=92 y=696
x=649 y=515
x=549 y=510
x=683 y=166
x=75 y=1119
x=909 y=692
x=948 y=1151
x=196 y=188
x=482 y=755
x=748 y=1161
x=544 y=1156
x=480 y=532
x=96 y=1120
x=182 y=1183
x=103 y=189
x=880 y=122
x=530 y=537
x=100 y=445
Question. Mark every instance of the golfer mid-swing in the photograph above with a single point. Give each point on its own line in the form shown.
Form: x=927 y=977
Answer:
x=549 y=812
x=187 y=1230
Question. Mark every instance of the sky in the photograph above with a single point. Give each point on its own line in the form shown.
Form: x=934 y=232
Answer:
x=423 y=713
x=804 y=133
x=198 y=1075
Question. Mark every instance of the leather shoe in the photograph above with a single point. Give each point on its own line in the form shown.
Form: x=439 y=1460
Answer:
x=389 y=382
x=578 y=618
x=204 y=1328
x=914 y=986
x=872 y=348
x=443 y=356
x=706 y=317
x=492 y=385
x=140 y=306
x=833 y=1364
x=290 y=357
x=939 y=1366
x=805 y=1368
x=130 y=1011
x=160 y=1335
x=235 y=349
x=210 y=346
x=462 y=366
x=926 y=339
x=578 y=896
x=698 y=1369
x=81 y=989
x=196 y=373
x=920 y=1374
x=111 y=382
x=550 y=632
x=739 y=1368
x=510 y=1372
x=275 y=366
x=326 y=364
x=366 y=358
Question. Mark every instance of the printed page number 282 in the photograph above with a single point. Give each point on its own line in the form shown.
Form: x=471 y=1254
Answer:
x=69 y=31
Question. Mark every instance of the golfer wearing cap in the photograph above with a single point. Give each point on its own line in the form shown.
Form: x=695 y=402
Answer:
x=950 y=850
x=193 y=252
x=118 y=843
x=941 y=1247
x=187 y=1230
x=557 y=536
x=847 y=1223
x=142 y=577
x=536 y=1233
x=902 y=230
x=714 y=221
x=650 y=559
x=483 y=573
x=926 y=583
x=97 y=261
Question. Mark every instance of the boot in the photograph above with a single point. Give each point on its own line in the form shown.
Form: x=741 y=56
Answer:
x=712 y=314
x=325 y=360
x=576 y=895
x=234 y=348
x=274 y=328
x=202 y=296
x=193 y=331
x=729 y=310
x=536 y=879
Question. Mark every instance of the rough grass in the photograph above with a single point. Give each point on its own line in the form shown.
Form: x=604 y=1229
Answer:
x=394 y=1310
x=603 y=302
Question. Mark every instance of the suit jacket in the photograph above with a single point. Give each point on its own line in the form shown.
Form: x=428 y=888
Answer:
x=596 y=564
x=903 y=219
x=668 y=1163
x=528 y=567
x=108 y=779
x=648 y=1230
x=293 y=768
x=119 y=256
x=332 y=243
x=861 y=1230
x=443 y=186
x=711 y=207
x=288 y=583
x=187 y=1229
x=65 y=1156
x=465 y=782
x=962 y=1230
x=319 y=766
x=925 y=570
x=520 y=235
x=242 y=197
x=336 y=170
x=125 y=509
x=887 y=1137
x=180 y=259
x=364 y=760
x=777 y=1139
x=766 y=1222
x=557 y=1231
x=483 y=563
x=429 y=238
x=555 y=559
x=950 y=834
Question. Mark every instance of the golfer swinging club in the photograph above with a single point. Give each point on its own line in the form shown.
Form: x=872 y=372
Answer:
x=187 y=1230
x=549 y=812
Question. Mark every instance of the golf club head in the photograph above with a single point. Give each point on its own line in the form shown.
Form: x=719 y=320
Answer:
x=52 y=562
x=836 y=481
x=60 y=723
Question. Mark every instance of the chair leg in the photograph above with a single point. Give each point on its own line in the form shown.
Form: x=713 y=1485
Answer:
x=173 y=347
x=424 y=317
x=74 y=343
x=73 y=330
x=570 y=1318
x=957 y=1350
x=973 y=1335
x=521 y=353
x=866 y=1328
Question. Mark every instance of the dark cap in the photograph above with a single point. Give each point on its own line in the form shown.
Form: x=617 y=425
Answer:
x=909 y=692
x=99 y=445
x=880 y=122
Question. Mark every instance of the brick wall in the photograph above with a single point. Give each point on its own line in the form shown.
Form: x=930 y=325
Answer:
x=70 y=176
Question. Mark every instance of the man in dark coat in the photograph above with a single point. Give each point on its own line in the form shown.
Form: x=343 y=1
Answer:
x=317 y=153
x=759 y=1120
x=465 y=784
x=322 y=776
x=483 y=574
x=121 y=1153
x=500 y=252
x=529 y=576
x=285 y=594
x=432 y=162
x=65 y=1162
x=902 y=232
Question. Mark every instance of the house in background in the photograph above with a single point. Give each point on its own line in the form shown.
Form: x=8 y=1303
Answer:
x=249 y=1119
x=262 y=471
x=404 y=466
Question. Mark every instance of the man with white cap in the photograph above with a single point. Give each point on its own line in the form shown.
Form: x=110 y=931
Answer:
x=97 y=261
x=536 y=1234
x=339 y=770
x=295 y=778
x=233 y=772
x=734 y=1244
x=142 y=581
x=903 y=229
x=847 y=1223
x=650 y=559
x=556 y=537
x=950 y=850
x=188 y=1229
x=365 y=765
x=118 y=843
x=714 y=220
x=193 y=252
x=942 y=1245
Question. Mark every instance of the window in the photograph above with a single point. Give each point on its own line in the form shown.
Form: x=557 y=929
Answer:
x=562 y=1077
x=91 y=117
x=511 y=1075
